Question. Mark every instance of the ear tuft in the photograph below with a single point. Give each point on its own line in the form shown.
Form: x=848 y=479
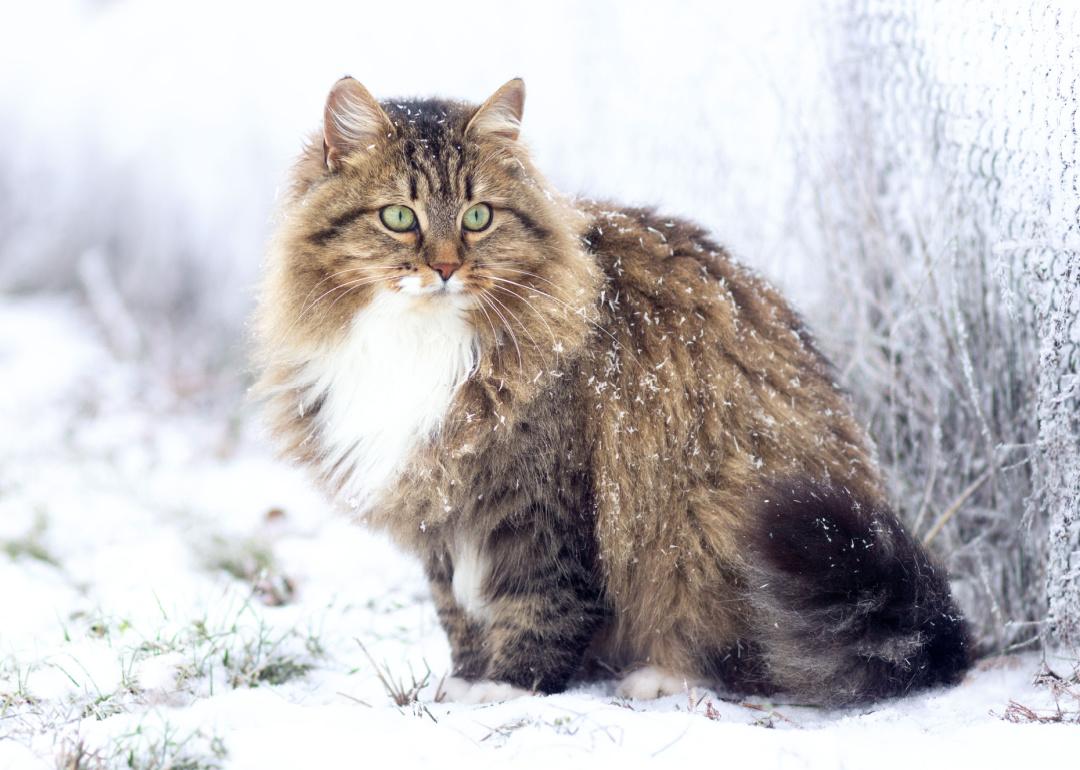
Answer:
x=500 y=115
x=352 y=121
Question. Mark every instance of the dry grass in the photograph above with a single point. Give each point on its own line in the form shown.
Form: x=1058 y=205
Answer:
x=933 y=332
x=146 y=748
x=404 y=693
x=252 y=562
x=75 y=755
x=1066 y=693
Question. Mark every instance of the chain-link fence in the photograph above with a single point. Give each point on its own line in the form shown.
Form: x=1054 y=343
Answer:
x=949 y=207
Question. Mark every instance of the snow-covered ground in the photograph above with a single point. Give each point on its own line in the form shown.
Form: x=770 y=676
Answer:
x=173 y=597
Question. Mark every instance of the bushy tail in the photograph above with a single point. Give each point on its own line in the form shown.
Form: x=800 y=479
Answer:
x=847 y=606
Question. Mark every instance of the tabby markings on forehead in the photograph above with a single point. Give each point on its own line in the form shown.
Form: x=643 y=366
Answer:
x=385 y=388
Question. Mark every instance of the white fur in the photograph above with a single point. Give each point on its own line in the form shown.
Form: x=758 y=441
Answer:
x=387 y=387
x=653 y=682
x=484 y=691
x=415 y=286
x=470 y=573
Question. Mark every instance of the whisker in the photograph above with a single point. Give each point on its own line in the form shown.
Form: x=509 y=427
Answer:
x=512 y=293
x=347 y=270
x=353 y=287
x=525 y=272
x=524 y=328
x=494 y=334
x=339 y=287
x=509 y=330
x=359 y=268
x=506 y=324
x=579 y=311
x=310 y=306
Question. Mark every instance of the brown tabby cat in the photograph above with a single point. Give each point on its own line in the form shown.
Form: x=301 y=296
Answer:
x=605 y=440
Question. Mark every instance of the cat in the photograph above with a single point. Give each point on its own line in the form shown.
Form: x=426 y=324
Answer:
x=611 y=446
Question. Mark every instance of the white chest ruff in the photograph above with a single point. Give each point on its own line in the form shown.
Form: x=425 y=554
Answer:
x=386 y=388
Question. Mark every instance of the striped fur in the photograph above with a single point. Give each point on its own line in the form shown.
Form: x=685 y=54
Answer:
x=620 y=475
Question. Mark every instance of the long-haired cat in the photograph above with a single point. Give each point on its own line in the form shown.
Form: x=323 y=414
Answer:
x=606 y=441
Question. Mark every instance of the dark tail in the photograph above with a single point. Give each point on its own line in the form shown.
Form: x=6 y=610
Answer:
x=848 y=607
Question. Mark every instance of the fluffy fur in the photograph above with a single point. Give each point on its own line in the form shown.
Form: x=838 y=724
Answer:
x=386 y=386
x=604 y=439
x=850 y=603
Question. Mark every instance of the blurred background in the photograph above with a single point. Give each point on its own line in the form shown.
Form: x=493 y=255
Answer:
x=906 y=171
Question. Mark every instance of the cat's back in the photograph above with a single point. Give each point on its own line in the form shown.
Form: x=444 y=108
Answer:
x=669 y=260
x=706 y=378
x=670 y=286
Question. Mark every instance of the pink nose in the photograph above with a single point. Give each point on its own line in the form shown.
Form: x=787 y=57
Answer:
x=446 y=269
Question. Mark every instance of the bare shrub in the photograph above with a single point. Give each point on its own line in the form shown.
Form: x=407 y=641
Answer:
x=942 y=223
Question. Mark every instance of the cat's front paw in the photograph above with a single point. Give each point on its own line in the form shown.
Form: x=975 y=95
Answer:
x=483 y=691
x=652 y=682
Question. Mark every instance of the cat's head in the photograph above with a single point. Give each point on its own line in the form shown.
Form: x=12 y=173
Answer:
x=433 y=200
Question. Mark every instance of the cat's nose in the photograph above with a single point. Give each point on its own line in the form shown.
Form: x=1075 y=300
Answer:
x=446 y=269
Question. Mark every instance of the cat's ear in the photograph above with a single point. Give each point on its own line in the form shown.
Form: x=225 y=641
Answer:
x=352 y=120
x=501 y=114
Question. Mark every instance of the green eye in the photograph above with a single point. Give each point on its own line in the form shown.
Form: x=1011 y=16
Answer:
x=477 y=217
x=400 y=219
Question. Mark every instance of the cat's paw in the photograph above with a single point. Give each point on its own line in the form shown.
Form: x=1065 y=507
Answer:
x=652 y=682
x=484 y=691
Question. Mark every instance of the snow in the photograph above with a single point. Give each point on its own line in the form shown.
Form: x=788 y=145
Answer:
x=172 y=590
